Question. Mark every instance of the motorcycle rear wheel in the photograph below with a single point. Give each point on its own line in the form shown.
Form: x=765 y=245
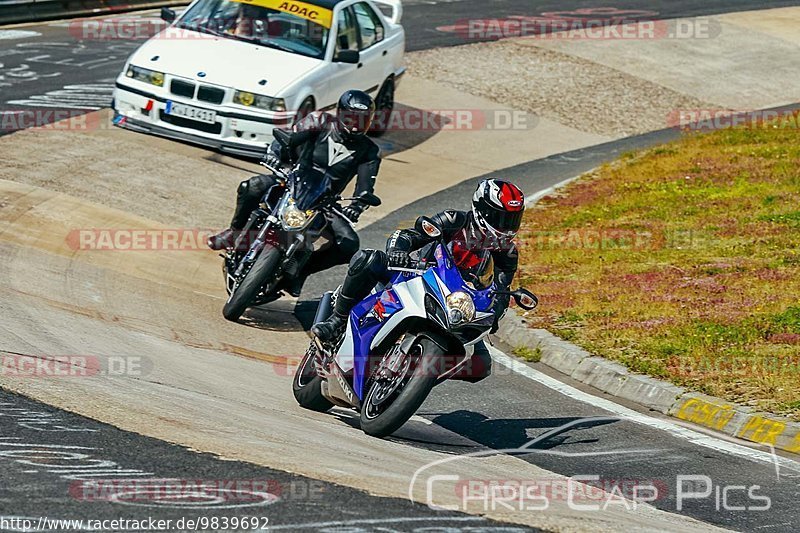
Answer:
x=307 y=384
x=424 y=372
x=245 y=293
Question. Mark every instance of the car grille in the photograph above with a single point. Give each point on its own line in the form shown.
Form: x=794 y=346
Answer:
x=213 y=95
x=182 y=88
x=193 y=124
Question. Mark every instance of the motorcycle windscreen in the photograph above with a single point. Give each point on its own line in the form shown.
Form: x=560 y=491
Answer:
x=309 y=188
x=475 y=266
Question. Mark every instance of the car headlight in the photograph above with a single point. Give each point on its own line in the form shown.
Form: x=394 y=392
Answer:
x=259 y=100
x=292 y=217
x=148 y=76
x=460 y=307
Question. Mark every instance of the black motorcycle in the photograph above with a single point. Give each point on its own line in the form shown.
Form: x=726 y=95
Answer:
x=279 y=238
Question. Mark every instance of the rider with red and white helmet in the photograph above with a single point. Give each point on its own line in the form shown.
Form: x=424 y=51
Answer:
x=491 y=224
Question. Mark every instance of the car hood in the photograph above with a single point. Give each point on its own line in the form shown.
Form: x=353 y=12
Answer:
x=223 y=61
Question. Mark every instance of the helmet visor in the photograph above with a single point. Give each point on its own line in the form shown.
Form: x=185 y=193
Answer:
x=503 y=221
x=356 y=120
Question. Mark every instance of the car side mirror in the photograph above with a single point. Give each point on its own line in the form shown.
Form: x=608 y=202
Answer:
x=525 y=299
x=369 y=199
x=428 y=227
x=168 y=14
x=347 y=56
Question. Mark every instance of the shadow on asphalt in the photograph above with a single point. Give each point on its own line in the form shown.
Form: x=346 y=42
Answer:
x=275 y=316
x=507 y=433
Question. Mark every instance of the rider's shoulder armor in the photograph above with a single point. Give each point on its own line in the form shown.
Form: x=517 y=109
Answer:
x=450 y=220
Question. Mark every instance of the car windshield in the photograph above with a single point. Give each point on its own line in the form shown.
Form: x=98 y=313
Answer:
x=272 y=27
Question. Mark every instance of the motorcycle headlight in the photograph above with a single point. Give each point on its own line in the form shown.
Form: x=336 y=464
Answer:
x=460 y=307
x=148 y=76
x=258 y=100
x=292 y=217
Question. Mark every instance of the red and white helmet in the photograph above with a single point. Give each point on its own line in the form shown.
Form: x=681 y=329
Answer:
x=497 y=207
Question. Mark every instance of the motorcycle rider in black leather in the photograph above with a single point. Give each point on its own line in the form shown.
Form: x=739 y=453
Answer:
x=336 y=146
x=497 y=209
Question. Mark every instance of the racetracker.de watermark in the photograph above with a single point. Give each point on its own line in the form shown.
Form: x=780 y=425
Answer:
x=195 y=492
x=713 y=119
x=401 y=119
x=591 y=24
x=54 y=119
x=72 y=366
x=139 y=239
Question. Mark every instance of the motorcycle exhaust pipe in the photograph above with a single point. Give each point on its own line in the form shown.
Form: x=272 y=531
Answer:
x=325 y=308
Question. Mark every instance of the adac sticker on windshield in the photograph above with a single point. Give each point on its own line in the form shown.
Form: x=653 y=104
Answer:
x=320 y=15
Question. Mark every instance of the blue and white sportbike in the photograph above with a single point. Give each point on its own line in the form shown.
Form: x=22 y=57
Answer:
x=405 y=337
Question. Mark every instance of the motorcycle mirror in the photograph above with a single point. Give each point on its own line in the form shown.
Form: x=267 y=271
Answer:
x=525 y=299
x=369 y=199
x=428 y=227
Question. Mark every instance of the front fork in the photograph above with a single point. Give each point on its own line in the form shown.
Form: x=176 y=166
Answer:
x=258 y=243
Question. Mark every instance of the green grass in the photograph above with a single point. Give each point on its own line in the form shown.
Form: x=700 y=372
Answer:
x=682 y=262
x=528 y=354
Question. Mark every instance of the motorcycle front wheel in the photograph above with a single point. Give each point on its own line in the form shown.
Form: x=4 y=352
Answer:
x=391 y=400
x=245 y=293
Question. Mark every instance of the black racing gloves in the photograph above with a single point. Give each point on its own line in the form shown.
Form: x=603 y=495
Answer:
x=399 y=259
x=501 y=300
x=353 y=211
x=499 y=310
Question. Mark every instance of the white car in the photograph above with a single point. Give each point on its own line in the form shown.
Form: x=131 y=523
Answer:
x=227 y=72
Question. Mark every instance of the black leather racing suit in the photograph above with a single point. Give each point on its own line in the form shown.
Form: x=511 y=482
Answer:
x=318 y=146
x=369 y=267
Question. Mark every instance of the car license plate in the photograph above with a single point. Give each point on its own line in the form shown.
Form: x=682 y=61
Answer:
x=192 y=113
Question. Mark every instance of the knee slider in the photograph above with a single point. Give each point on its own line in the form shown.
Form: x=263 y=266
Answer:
x=379 y=261
x=359 y=262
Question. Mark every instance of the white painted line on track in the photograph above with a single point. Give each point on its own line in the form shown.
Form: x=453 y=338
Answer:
x=17 y=34
x=700 y=439
x=538 y=195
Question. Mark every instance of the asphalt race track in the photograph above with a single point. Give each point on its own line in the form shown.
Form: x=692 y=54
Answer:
x=570 y=433
x=49 y=459
x=47 y=456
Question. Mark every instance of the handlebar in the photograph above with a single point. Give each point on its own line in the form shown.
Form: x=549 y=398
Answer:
x=277 y=171
x=416 y=267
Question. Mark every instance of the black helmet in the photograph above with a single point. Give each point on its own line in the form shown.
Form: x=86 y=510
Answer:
x=355 y=111
x=497 y=208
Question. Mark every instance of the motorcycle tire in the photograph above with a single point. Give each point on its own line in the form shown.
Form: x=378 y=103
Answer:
x=307 y=384
x=246 y=292
x=410 y=398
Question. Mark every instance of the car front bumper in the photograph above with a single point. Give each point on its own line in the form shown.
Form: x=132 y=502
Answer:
x=234 y=131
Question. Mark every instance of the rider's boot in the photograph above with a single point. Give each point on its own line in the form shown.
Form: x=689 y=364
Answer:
x=330 y=329
x=248 y=195
x=222 y=240
x=366 y=268
x=294 y=286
